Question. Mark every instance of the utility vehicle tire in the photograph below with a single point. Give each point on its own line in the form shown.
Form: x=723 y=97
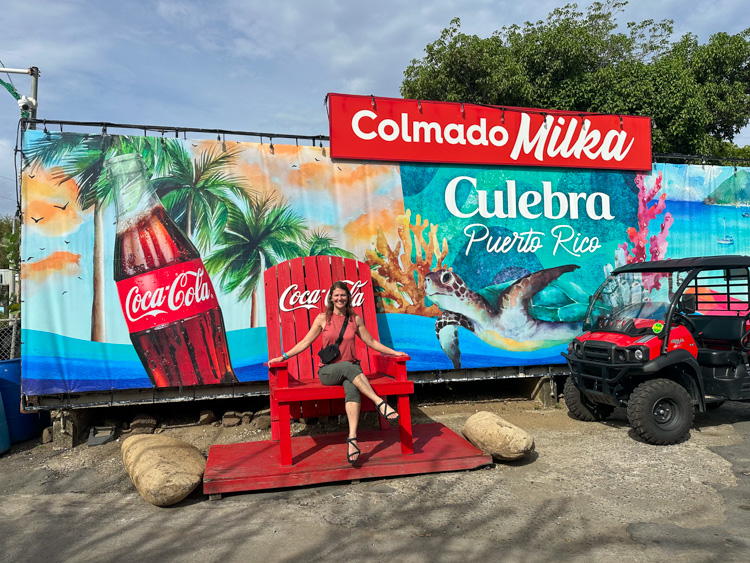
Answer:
x=661 y=412
x=580 y=407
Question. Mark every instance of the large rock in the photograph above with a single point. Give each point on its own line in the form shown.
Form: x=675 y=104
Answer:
x=69 y=428
x=206 y=417
x=497 y=437
x=163 y=469
x=231 y=418
x=261 y=422
x=247 y=417
x=143 y=424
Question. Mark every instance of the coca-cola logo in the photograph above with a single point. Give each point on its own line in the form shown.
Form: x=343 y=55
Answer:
x=292 y=298
x=187 y=288
x=166 y=295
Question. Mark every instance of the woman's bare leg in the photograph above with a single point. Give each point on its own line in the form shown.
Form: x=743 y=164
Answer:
x=352 y=414
x=363 y=384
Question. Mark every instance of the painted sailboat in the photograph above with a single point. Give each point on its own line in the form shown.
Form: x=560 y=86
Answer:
x=725 y=240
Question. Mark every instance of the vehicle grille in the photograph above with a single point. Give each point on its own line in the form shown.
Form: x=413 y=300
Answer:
x=597 y=352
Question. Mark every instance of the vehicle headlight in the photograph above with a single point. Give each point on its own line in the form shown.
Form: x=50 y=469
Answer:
x=639 y=354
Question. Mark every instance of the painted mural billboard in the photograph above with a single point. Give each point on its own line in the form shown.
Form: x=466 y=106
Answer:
x=146 y=270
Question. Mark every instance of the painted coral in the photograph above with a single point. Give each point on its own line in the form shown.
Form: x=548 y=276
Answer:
x=657 y=244
x=398 y=273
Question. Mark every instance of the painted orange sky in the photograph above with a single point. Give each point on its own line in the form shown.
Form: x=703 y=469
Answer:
x=309 y=180
x=349 y=200
x=60 y=262
x=365 y=226
x=50 y=206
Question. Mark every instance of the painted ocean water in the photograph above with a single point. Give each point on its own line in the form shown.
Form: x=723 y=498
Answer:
x=71 y=365
x=699 y=229
x=415 y=335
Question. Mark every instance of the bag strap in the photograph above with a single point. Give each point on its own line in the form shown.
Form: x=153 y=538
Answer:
x=343 y=330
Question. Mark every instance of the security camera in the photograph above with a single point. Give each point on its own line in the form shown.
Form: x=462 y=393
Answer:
x=26 y=103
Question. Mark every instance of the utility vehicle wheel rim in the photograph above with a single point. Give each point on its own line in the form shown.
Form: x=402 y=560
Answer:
x=666 y=412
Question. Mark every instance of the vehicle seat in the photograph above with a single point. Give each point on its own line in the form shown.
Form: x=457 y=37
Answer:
x=709 y=357
x=718 y=339
x=728 y=329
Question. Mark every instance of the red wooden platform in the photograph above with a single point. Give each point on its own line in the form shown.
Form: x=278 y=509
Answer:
x=252 y=466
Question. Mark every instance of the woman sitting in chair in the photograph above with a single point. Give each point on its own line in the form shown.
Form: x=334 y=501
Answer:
x=345 y=369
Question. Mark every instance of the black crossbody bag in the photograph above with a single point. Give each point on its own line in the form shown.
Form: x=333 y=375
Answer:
x=331 y=352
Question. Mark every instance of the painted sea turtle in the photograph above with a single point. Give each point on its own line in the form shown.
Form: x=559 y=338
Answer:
x=533 y=312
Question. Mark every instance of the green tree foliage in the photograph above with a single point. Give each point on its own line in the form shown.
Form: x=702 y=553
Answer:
x=196 y=192
x=257 y=235
x=9 y=243
x=10 y=257
x=319 y=243
x=698 y=95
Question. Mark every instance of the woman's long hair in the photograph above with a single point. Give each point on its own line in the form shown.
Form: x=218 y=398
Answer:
x=329 y=308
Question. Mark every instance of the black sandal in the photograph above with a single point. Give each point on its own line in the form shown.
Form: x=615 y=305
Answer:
x=393 y=417
x=354 y=456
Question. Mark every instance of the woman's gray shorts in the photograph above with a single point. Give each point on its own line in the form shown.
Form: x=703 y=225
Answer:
x=342 y=373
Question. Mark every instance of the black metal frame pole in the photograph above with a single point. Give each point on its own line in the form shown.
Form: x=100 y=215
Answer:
x=170 y=128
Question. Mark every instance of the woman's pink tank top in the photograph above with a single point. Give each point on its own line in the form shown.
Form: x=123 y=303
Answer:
x=331 y=333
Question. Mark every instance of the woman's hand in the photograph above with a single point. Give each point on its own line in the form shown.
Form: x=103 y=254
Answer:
x=276 y=360
x=397 y=353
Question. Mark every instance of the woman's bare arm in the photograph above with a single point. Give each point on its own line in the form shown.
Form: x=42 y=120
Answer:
x=312 y=334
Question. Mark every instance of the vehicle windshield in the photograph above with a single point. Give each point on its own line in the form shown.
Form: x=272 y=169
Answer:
x=634 y=296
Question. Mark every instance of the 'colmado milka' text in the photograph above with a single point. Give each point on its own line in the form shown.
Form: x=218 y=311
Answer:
x=507 y=204
x=580 y=139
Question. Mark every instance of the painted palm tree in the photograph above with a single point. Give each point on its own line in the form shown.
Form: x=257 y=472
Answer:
x=259 y=233
x=82 y=158
x=320 y=243
x=196 y=192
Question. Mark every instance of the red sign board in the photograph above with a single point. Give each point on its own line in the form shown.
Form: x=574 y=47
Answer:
x=397 y=130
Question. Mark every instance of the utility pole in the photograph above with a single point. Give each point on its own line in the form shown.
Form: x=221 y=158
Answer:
x=27 y=104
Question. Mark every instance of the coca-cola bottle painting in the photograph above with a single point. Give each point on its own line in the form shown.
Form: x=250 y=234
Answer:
x=168 y=300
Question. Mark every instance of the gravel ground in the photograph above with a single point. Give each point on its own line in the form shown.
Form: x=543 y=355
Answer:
x=589 y=491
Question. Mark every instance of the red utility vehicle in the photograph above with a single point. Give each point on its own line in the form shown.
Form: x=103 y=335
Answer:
x=662 y=338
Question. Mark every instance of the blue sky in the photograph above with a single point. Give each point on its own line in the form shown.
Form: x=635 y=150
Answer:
x=250 y=65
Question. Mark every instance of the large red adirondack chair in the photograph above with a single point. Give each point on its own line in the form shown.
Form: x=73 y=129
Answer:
x=296 y=293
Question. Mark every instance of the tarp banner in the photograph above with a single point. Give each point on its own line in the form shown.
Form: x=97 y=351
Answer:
x=143 y=256
x=370 y=128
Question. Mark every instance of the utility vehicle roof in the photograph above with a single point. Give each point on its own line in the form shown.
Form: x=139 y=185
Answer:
x=707 y=262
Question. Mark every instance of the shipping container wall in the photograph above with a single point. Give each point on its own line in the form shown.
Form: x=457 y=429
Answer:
x=143 y=256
